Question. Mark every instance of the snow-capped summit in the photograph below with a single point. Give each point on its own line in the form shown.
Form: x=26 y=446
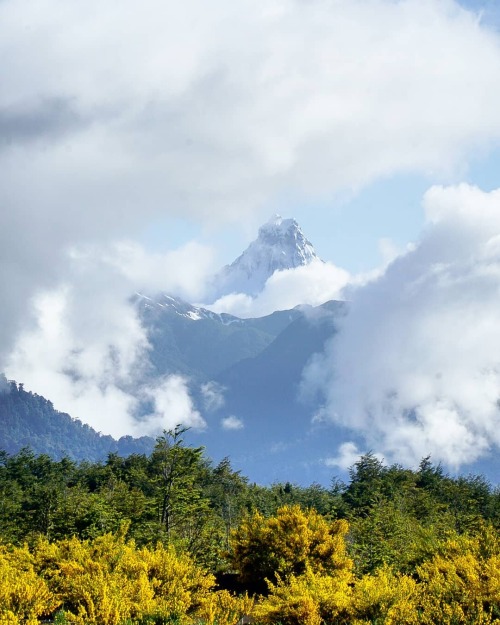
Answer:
x=280 y=245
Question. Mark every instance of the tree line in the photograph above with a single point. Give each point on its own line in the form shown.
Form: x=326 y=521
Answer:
x=171 y=537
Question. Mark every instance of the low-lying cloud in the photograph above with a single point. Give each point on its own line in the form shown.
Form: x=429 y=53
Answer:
x=415 y=367
x=172 y=406
x=311 y=284
x=212 y=395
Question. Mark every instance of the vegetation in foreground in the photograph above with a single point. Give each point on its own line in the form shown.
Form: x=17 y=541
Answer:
x=171 y=539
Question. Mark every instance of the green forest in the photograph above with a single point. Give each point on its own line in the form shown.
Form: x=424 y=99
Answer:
x=171 y=538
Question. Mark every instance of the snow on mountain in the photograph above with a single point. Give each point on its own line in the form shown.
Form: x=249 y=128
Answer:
x=280 y=245
x=177 y=306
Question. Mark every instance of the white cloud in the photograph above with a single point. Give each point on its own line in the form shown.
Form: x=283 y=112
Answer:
x=311 y=284
x=172 y=406
x=213 y=396
x=73 y=361
x=232 y=423
x=415 y=367
x=183 y=271
x=348 y=454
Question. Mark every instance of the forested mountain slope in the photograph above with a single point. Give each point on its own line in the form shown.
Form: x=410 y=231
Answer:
x=30 y=420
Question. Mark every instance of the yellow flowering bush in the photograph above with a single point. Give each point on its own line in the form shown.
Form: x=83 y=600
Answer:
x=385 y=597
x=308 y=599
x=223 y=608
x=287 y=544
x=108 y=580
x=461 y=583
x=24 y=596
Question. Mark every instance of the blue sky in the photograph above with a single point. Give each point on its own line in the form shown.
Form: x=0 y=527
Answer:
x=489 y=9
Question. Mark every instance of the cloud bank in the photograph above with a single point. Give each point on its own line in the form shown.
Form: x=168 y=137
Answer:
x=415 y=367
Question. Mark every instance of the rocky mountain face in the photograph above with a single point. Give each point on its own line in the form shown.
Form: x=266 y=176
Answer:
x=199 y=343
x=280 y=245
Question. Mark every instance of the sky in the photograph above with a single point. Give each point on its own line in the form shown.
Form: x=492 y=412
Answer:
x=142 y=145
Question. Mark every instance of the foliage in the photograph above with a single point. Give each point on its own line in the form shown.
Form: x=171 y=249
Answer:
x=24 y=596
x=108 y=580
x=308 y=599
x=385 y=597
x=461 y=582
x=137 y=541
x=223 y=608
x=287 y=544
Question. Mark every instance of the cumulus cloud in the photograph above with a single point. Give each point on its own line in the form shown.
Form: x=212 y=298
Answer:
x=347 y=454
x=415 y=367
x=172 y=405
x=232 y=423
x=311 y=284
x=183 y=271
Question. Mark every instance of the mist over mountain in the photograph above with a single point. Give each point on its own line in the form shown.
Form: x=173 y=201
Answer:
x=242 y=375
x=254 y=388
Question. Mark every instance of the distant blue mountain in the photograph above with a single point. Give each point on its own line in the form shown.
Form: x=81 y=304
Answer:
x=257 y=363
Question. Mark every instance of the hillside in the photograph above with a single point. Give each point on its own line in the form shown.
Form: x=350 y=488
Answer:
x=30 y=420
x=199 y=343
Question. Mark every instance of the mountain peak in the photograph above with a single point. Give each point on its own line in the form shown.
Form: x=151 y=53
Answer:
x=280 y=245
x=275 y=221
x=287 y=235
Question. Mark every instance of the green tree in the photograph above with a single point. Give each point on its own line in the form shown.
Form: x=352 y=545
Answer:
x=176 y=474
x=366 y=483
x=226 y=489
x=183 y=512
